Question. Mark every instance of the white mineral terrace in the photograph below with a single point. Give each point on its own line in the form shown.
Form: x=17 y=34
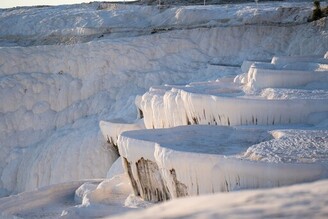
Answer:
x=192 y=160
x=111 y=130
x=257 y=98
x=165 y=161
x=259 y=77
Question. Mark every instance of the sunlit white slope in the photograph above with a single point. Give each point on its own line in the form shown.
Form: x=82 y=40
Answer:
x=53 y=199
x=76 y=199
x=301 y=201
x=82 y=23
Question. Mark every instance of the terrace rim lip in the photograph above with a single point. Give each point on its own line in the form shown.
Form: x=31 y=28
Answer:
x=194 y=134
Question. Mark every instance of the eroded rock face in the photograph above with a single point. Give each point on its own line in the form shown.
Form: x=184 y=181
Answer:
x=147 y=182
x=180 y=188
x=151 y=182
x=127 y=167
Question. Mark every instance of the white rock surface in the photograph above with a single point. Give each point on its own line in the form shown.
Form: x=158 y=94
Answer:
x=292 y=146
x=84 y=22
x=48 y=89
x=51 y=200
x=301 y=201
x=169 y=163
x=193 y=160
x=221 y=103
x=262 y=78
x=111 y=130
x=53 y=95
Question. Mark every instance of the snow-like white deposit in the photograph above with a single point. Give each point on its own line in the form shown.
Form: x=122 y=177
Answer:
x=69 y=77
x=261 y=78
x=248 y=99
x=228 y=106
x=50 y=199
x=69 y=94
x=85 y=22
x=192 y=160
x=76 y=199
x=53 y=96
x=299 y=201
x=292 y=146
x=111 y=130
